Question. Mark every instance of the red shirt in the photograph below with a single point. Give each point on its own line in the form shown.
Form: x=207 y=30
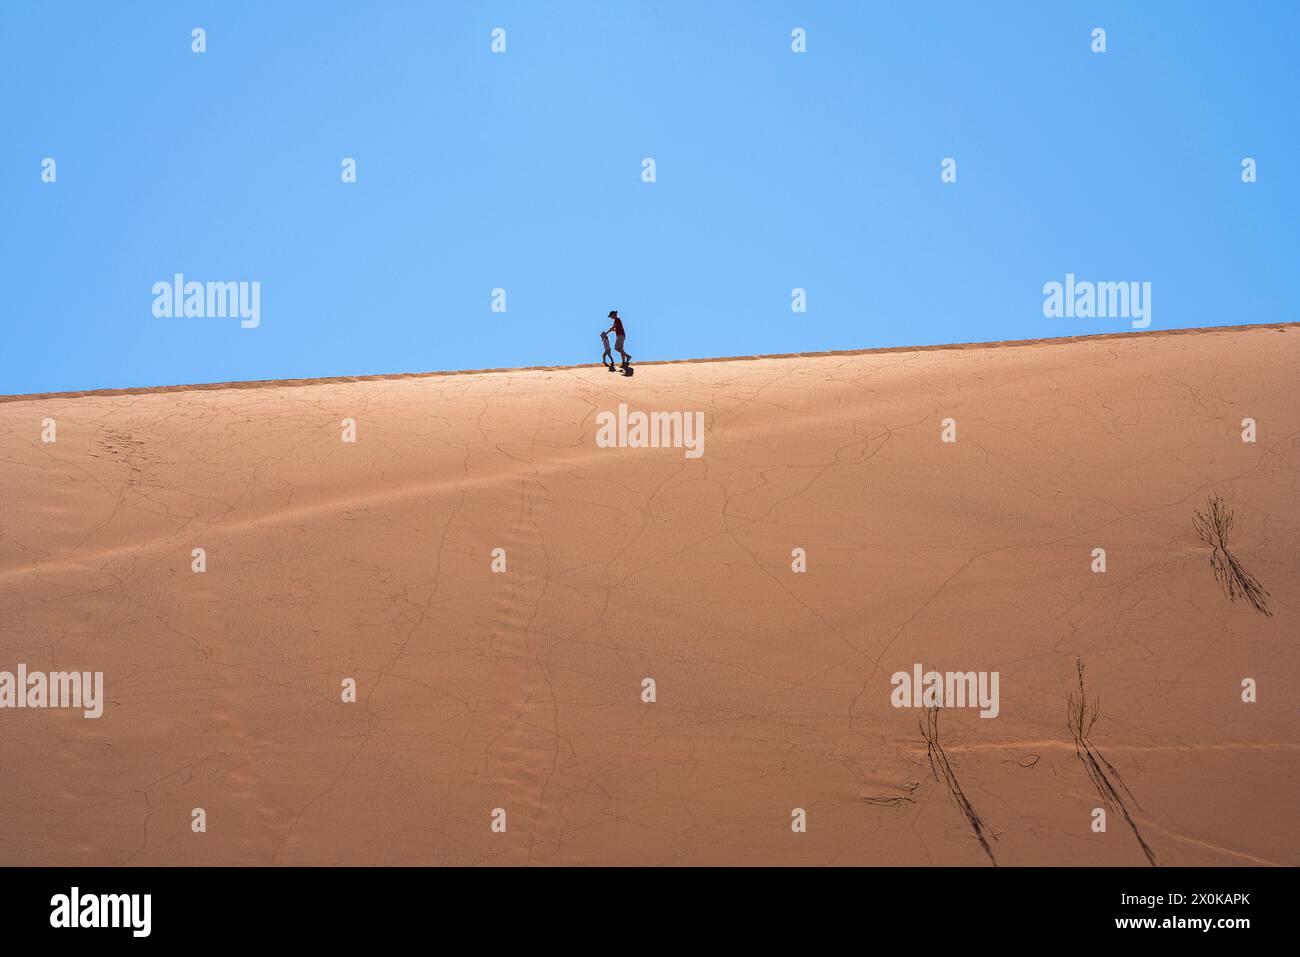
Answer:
x=618 y=327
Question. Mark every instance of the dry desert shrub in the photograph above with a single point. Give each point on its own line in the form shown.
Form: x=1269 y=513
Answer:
x=943 y=770
x=1081 y=715
x=1213 y=526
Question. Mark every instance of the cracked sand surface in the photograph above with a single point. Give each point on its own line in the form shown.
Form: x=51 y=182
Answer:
x=522 y=690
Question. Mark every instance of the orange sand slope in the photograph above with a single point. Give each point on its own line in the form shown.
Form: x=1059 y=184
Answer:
x=523 y=690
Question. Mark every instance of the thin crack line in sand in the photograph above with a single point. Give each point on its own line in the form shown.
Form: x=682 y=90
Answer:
x=514 y=471
x=1187 y=839
x=273 y=518
x=1127 y=748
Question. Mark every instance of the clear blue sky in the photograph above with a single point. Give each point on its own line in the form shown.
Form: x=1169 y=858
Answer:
x=775 y=170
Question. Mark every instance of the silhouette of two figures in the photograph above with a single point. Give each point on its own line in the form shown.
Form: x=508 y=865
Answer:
x=607 y=358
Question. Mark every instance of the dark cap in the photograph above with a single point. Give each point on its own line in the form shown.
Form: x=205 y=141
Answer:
x=613 y=314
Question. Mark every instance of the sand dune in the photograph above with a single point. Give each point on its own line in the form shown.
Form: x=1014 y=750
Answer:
x=522 y=689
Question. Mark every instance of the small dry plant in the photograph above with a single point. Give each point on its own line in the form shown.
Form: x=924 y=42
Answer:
x=1213 y=526
x=1081 y=715
x=943 y=770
